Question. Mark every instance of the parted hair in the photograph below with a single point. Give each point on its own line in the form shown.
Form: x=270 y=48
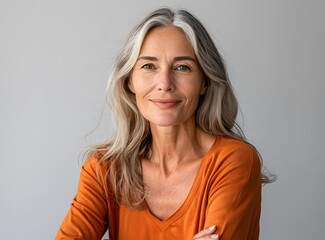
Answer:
x=131 y=140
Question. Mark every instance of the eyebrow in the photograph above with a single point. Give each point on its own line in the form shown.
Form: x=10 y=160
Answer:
x=147 y=58
x=179 y=58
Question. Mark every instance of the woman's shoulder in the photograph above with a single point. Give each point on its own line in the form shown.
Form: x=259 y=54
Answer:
x=228 y=145
x=233 y=151
x=232 y=156
x=95 y=161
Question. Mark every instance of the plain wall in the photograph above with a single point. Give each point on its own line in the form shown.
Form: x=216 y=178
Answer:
x=55 y=57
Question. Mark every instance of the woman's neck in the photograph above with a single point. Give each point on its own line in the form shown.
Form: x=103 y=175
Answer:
x=176 y=145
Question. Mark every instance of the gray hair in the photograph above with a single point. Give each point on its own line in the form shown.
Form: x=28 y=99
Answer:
x=216 y=112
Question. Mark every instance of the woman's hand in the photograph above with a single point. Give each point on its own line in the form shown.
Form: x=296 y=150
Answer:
x=207 y=233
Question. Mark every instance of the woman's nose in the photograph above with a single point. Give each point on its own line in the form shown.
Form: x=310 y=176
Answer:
x=165 y=81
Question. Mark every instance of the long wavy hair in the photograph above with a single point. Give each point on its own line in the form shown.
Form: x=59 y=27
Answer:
x=216 y=112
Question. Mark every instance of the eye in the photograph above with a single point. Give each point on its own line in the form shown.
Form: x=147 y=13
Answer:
x=148 y=66
x=183 y=68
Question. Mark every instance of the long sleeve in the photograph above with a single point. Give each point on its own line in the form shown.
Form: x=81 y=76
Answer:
x=87 y=216
x=235 y=195
x=225 y=193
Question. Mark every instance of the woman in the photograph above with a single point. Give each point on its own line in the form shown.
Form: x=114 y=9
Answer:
x=177 y=166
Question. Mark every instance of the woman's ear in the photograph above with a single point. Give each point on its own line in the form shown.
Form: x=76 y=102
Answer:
x=130 y=84
x=203 y=89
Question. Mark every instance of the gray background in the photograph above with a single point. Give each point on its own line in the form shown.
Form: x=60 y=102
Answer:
x=55 y=57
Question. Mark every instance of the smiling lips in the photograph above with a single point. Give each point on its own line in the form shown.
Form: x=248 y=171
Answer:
x=165 y=103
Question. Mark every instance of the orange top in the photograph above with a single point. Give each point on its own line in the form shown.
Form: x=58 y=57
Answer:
x=226 y=192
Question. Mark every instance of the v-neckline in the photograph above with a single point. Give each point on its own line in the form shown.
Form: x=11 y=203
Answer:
x=163 y=224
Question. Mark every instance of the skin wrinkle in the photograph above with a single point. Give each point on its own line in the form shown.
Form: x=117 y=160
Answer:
x=166 y=92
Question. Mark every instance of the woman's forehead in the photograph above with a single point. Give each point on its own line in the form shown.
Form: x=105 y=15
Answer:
x=167 y=39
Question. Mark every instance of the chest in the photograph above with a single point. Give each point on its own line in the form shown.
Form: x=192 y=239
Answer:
x=165 y=195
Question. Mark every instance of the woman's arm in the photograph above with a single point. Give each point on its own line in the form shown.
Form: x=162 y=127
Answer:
x=234 y=203
x=87 y=216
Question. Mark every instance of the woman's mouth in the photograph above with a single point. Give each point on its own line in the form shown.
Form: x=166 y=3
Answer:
x=165 y=103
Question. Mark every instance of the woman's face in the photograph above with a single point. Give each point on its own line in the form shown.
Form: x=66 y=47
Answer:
x=167 y=80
